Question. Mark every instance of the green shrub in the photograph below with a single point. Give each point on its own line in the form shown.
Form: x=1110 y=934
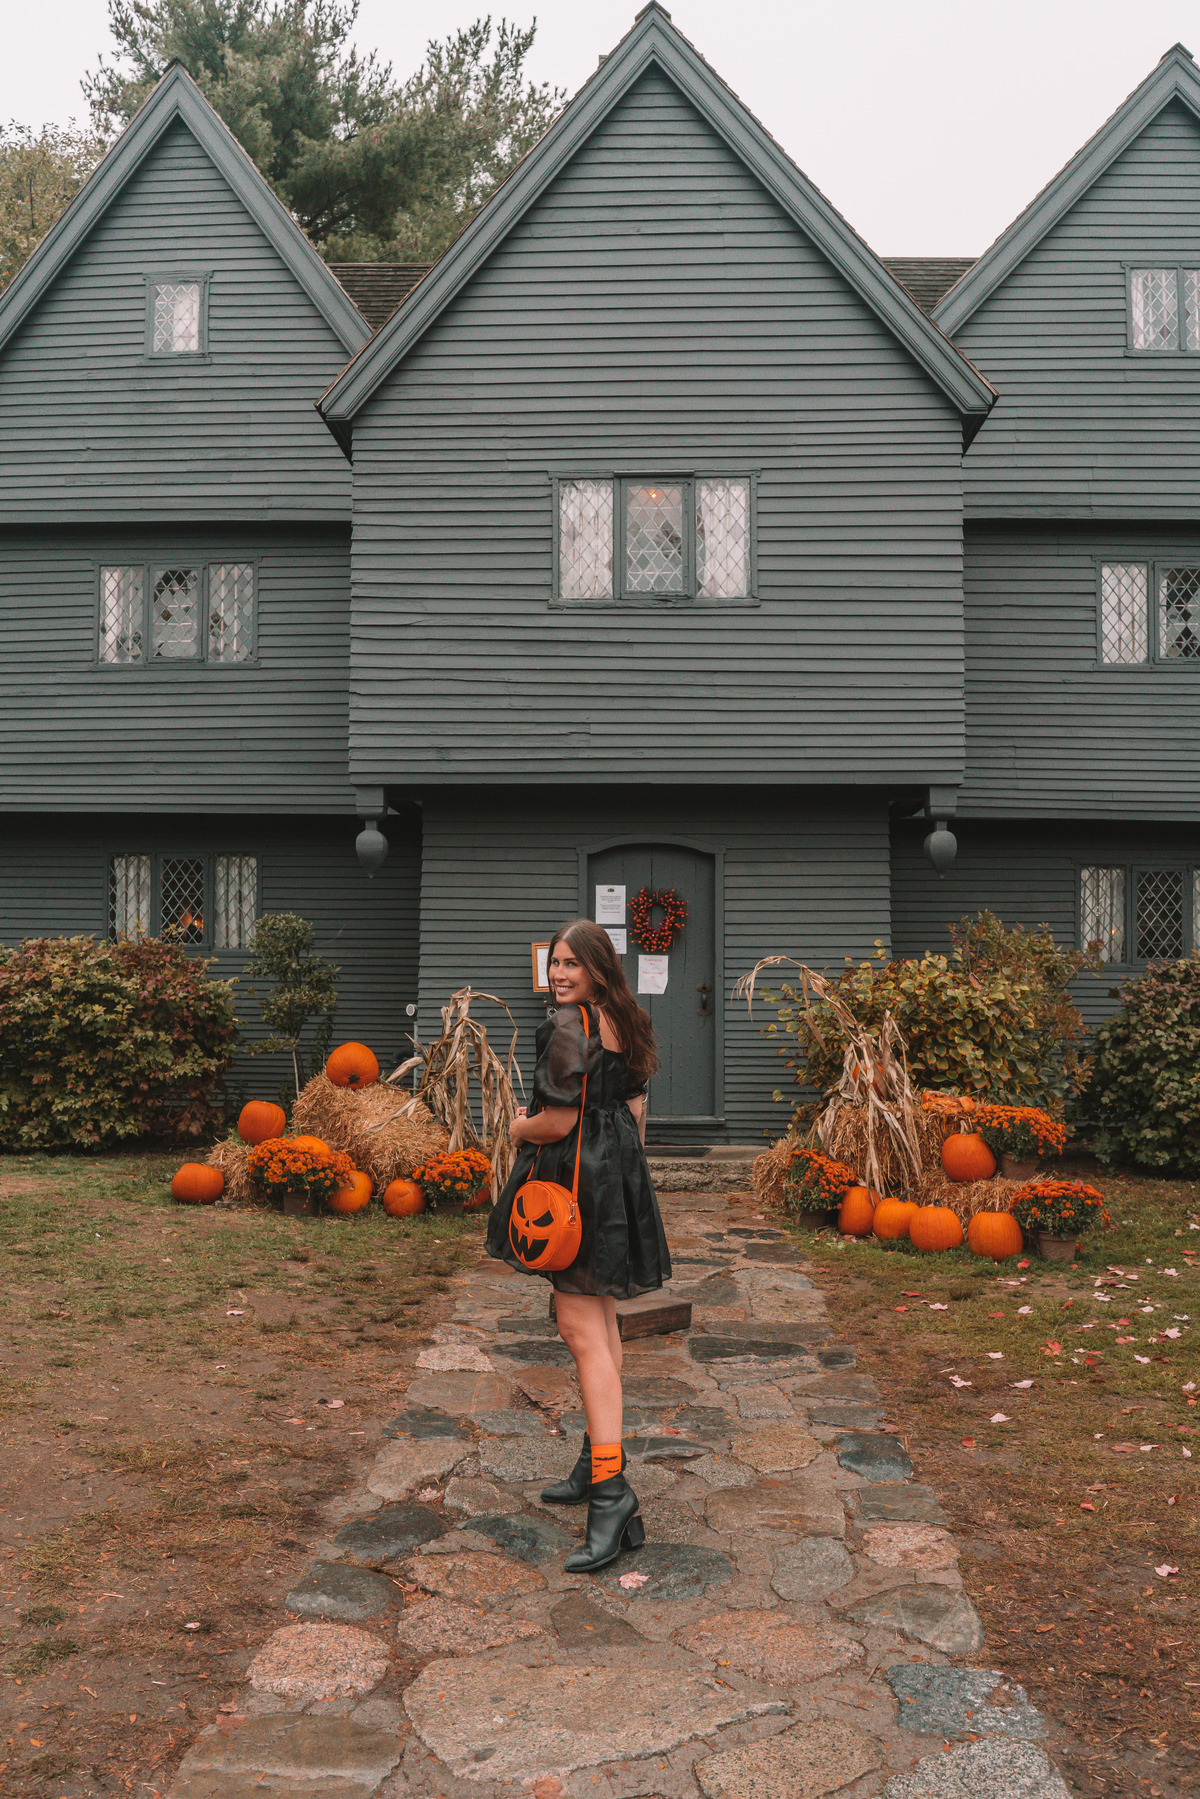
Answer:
x=103 y=1042
x=303 y=991
x=1145 y=1089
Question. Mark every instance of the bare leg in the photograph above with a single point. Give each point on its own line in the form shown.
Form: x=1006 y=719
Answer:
x=587 y=1325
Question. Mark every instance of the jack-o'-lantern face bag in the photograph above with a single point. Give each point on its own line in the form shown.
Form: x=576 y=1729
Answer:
x=544 y=1227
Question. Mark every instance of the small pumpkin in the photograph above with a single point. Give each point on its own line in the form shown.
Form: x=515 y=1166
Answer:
x=966 y=1157
x=544 y=1226
x=317 y=1144
x=354 y=1195
x=402 y=1199
x=259 y=1120
x=352 y=1065
x=197 y=1184
x=995 y=1234
x=935 y=1227
x=856 y=1214
x=893 y=1217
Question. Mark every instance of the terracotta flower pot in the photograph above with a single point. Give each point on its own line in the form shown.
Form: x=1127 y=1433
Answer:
x=298 y=1205
x=1057 y=1249
x=1013 y=1170
x=812 y=1221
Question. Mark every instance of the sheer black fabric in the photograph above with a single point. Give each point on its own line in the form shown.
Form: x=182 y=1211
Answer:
x=623 y=1251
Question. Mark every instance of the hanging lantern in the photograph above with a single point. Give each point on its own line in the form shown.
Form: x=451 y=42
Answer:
x=372 y=847
x=941 y=846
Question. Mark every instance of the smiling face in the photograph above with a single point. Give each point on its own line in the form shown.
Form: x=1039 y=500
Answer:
x=570 y=982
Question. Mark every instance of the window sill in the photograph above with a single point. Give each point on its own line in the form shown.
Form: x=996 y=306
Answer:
x=649 y=603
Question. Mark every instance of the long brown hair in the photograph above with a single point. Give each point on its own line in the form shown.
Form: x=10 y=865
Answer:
x=593 y=946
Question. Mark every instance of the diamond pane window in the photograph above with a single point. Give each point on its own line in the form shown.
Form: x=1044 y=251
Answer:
x=128 y=896
x=585 y=540
x=1155 y=309
x=230 y=611
x=175 y=612
x=1191 y=308
x=1159 y=914
x=1179 y=613
x=235 y=901
x=1102 y=911
x=176 y=318
x=121 y=616
x=1123 y=633
x=654 y=539
x=722 y=539
x=181 y=898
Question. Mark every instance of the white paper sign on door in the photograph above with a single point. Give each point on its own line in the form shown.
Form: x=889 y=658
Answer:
x=610 y=905
x=620 y=939
x=652 y=974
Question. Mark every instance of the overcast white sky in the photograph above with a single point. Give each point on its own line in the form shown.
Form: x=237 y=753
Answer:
x=928 y=123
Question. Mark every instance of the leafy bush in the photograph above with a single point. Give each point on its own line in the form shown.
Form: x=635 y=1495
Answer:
x=985 y=945
x=303 y=989
x=102 y=1042
x=1146 y=1085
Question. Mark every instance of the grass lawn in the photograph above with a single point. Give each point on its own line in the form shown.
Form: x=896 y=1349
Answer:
x=1054 y=1411
x=169 y=1380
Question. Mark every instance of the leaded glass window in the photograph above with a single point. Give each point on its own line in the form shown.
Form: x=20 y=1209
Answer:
x=1179 y=613
x=679 y=538
x=122 y=614
x=1191 y=308
x=1102 y=911
x=230 y=611
x=1154 y=306
x=723 y=539
x=1159 y=924
x=181 y=898
x=235 y=901
x=176 y=323
x=585 y=540
x=175 y=613
x=654 y=550
x=128 y=896
x=1123 y=628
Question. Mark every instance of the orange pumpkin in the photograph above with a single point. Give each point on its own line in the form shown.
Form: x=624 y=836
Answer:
x=856 y=1214
x=966 y=1103
x=893 y=1217
x=352 y=1065
x=935 y=1227
x=966 y=1157
x=260 y=1120
x=995 y=1234
x=401 y=1199
x=544 y=1227
x=318 y=1147
x=197 y=1184
x=354 y=1195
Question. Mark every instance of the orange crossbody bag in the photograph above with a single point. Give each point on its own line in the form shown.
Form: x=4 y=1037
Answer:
x=544 y=1226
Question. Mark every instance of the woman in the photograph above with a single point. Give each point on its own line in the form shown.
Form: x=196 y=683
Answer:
x=623 y=1250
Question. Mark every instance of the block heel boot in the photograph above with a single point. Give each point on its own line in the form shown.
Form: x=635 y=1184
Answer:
x=578 y=1484
x=612 y=1525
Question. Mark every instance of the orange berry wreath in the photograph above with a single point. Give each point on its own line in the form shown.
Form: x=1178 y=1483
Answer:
x=656 y=940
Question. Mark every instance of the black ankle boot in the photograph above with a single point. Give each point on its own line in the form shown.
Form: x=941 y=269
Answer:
x=612 y=1525
x=578 y=1484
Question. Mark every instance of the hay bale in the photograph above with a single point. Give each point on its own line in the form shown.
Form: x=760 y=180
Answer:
x=847 y=1141
x=769 y=1173
x=240 y=1186
x=935 y=1188
x=343 y=1117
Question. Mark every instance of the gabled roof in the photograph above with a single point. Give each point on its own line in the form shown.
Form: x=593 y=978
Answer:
x=1176 y=77
x=377 y=288
x=178 y=97
x=654 y=41
x=927 y=278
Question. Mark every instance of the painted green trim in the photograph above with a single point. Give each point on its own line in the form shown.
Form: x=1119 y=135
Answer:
x=655 y=42
x=178 y=97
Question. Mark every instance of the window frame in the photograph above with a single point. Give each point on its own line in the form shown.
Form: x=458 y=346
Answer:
x=177 y=358
x=1132 y=870
x=207 y=945
x=1153 y=565
x=688 y=479
x=1179 y=270
x=149 y=566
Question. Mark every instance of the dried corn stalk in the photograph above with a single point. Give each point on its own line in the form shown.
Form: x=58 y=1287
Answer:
x=874 y=1078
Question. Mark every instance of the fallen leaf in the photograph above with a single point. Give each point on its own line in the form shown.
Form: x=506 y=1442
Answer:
x=1022 y=1264
x=905 y=1295
x=901 y=1308
x=968 y=1443
x=1052 y=1349
x=1165 y=1570
x=955 y=1381
x=630 y=1581
x=995 y=1314
x=1000 y=1418
x=938 y=1308
x=235 y=1313
x=1085 y=1505
x=1144 y=1359
x=1024 y=1311
x=1022 y=1384
x=995 y=1355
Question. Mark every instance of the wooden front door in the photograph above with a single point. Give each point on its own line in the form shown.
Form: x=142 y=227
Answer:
x=685 y=1016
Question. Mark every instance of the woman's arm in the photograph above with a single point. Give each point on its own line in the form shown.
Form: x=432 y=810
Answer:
x=637 y=1105
x=550 y=1126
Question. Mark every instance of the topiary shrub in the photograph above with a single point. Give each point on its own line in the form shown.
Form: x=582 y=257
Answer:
x=1145 y=1089
x=104 y=1042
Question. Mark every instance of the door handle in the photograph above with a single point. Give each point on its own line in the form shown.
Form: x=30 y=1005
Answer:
x=705 y=1008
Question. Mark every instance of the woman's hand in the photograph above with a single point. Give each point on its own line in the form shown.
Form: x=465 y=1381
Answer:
x=516 y=1130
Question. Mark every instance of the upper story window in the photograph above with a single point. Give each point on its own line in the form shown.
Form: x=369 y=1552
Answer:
x=177 y=316
x=1149 y=612
x=181 y=611
x=206 y=901
x=1137 y=914
x=1164 y=309
x=678 y=538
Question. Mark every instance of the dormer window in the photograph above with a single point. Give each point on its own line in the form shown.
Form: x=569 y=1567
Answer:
x=661 y=539
x=177 y=322
x=1164 y=309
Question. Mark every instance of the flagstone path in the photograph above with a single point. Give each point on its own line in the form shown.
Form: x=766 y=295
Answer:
x=794 y=1625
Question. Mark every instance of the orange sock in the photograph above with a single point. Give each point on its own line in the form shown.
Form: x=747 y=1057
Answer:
x=606 y=1460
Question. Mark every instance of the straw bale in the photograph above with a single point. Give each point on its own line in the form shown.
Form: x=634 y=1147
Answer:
x=935 y=1188
x=846 y=1141
x=343 y=1117
x=932 y=1129
x=770 y=1170
x=240 y=1188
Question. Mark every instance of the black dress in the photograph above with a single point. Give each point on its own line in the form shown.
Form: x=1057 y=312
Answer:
x=623 y=1250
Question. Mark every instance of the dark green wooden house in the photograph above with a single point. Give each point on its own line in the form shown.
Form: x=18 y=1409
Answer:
x=658 y=537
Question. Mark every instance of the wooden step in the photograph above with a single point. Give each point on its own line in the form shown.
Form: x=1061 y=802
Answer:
x=649 y=1315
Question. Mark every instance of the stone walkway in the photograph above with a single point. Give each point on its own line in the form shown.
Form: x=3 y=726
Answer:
x=794 y=1625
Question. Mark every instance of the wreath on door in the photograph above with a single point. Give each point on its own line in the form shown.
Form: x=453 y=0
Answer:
x=656 y=940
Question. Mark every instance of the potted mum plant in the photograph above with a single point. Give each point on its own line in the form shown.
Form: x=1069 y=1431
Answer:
x=296 y=1178
x=1056 y=1213
x=456 y=1177
x=1018 y=1136
x=813 y=1184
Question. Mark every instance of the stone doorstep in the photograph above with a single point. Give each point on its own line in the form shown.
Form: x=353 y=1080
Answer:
x=649 y=1315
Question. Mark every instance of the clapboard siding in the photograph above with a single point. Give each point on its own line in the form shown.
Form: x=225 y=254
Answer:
x=805 y=874
x=1050 y=731
x=54 y=882
x=95 y=429
x=1083 y=428
x=1027 y=873
x=655 y=310
x=174 y=737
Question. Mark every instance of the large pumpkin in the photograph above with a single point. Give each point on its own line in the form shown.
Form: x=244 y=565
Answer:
x=317 y=1144
x=352 y=1065
x=966 y=1157
x=354 y=1195
x=856 y=1214
x=544 y=1227
x=995 y=1234
x=197 y=1184
x=893 y=1217
x=403 y=1198
x=260 y=1120
x=935 y=1227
